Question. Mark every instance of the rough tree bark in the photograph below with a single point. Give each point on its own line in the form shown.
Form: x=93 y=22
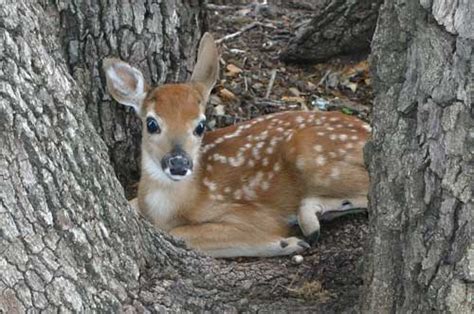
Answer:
x=158 y=37
x=68 y=239
x=421 y=252
x=339 y=27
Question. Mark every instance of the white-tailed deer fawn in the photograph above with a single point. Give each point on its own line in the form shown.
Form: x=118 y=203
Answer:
x=233 y=191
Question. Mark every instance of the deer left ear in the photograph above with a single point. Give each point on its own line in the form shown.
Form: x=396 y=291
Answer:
x=206 y=71
x=125 y=83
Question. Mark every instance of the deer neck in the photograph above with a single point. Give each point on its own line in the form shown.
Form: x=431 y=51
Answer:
x=163 y=200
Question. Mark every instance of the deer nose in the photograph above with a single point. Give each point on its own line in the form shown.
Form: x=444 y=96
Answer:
x=178 y=165
x=177 y=162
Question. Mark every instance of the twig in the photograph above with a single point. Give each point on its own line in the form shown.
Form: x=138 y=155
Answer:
x=270 y=84
x=324 y=77
x=217 y=7
x=238 y=33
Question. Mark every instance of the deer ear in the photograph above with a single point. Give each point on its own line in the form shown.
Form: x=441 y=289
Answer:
x=206 y=70
x=125 y=83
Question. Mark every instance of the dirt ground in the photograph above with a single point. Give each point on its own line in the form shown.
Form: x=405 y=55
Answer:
x=330 y=277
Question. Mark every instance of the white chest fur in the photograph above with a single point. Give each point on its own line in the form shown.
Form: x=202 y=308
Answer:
x=162 y=207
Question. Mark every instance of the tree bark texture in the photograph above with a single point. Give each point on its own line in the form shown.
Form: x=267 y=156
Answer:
x=316 y=5
x=69 y=241
x=159 y=37
x=339 y=27
x=421 y=254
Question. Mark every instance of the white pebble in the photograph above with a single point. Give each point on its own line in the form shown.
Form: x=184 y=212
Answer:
x=297 y=259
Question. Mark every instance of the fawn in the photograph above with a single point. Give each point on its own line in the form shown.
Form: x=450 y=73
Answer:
x=233 y=191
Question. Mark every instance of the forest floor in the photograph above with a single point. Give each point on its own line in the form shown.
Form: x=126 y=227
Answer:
x=330 y=277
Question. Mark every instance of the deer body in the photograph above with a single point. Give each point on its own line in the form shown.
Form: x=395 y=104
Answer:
x=233 y=191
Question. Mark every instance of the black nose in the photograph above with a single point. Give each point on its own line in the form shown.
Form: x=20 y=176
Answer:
x=178 y=165
x=177 y=161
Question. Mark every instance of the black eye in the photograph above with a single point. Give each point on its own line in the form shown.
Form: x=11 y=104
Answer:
x=199 y=130
x=152 y=125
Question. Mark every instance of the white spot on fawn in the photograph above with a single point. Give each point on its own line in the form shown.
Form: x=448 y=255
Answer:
x=212 y=186
x=238 y=194
x=343 y=137
x=300 y=163
x=276 y=166
x=318 y=148
x=342 y=151
x=335 y=172
x=236 y=161
x=320 y=160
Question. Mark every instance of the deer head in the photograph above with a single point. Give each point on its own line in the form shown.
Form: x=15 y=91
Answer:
x=172 y=115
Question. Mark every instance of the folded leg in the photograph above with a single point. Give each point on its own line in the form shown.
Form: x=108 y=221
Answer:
x=247 y=232
x=312 y=209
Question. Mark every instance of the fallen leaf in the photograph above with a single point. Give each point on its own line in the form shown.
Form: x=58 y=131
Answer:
x=300 y=100
x=232 y=70
x=294 y=91
x=219 y=110
x=310 y=86
x=226 y=95
x=351 y=86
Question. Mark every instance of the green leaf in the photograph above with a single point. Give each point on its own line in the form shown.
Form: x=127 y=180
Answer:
x=347 y=111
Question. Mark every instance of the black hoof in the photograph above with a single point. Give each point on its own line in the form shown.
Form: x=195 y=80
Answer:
x=304 y=245
x=313 y=238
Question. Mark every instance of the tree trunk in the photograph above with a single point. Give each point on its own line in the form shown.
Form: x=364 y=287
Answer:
x=339 y=27
x=420 y=256
x=159 y=38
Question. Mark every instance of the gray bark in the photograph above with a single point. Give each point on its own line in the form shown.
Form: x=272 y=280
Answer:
x=338 y=27
x=157 y=37
x=421 y=253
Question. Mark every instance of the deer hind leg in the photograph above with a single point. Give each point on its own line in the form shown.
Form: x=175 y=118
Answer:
x=241 y=235
x=314 y=209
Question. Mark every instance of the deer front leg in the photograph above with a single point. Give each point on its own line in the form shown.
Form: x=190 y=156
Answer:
x=232 y=240
x=308 y=220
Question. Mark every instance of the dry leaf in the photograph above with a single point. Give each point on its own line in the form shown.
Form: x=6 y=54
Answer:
x=226 y=95
x=300 y=100
x=232 y=70
x=219 y=110
x=294 y=91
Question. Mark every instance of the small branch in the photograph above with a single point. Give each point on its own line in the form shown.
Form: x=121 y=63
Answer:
x=238 y=33
x=270 y=84
x=217 y=7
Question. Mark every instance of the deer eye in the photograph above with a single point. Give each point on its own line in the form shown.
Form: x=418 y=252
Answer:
x=199 y=130
x=152 y=125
